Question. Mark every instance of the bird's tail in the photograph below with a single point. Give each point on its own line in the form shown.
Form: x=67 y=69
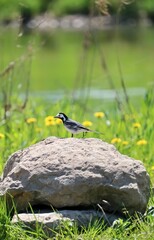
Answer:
x=98 y=132
x=95 y=132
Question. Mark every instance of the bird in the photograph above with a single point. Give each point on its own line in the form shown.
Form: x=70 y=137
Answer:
x=73 y=126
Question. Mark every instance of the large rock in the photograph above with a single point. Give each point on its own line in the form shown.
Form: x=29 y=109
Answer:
x=76 y=173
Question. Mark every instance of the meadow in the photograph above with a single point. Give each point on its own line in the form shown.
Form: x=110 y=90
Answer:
x=37 y=64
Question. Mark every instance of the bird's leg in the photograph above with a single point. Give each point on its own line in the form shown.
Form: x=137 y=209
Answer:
x=84 y=133
x=72 y=135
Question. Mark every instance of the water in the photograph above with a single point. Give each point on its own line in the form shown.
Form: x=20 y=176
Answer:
x=96 y=94
x=67 y=61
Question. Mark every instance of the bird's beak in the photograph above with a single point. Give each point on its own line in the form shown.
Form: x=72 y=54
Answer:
x=56 y=116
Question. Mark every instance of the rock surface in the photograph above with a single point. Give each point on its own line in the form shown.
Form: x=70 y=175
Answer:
x=53 y=220
x=74 y=172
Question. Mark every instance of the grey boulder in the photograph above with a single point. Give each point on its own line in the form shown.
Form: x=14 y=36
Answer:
x=73 y=172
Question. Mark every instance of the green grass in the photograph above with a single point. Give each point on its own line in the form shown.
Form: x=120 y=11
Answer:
x=19 y=134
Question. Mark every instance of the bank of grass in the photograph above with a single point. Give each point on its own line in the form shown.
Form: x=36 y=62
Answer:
x=129 y=129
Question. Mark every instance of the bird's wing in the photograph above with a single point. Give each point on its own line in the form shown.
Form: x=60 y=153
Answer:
x=77 y=125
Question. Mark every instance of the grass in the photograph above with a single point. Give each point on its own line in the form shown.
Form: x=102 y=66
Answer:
x=25 y=127
x=129 y=126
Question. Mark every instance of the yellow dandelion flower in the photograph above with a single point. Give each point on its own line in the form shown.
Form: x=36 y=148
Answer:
x=49 y=118
x=125 y=143
x=99 y=114
x=141 y=142
x=152 y=168
x=49 y=121
x=116 y=140
x=1 y=135
x=87 y=123
x=136 y=125
x=58 y=121
x=31 y=120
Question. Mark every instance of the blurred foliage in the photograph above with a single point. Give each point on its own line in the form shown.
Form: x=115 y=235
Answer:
x=11 y=9
x=16 y=8
x=127 y=8
x=63 y=7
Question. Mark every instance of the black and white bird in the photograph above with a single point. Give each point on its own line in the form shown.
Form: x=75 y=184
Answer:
x=73 y=126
